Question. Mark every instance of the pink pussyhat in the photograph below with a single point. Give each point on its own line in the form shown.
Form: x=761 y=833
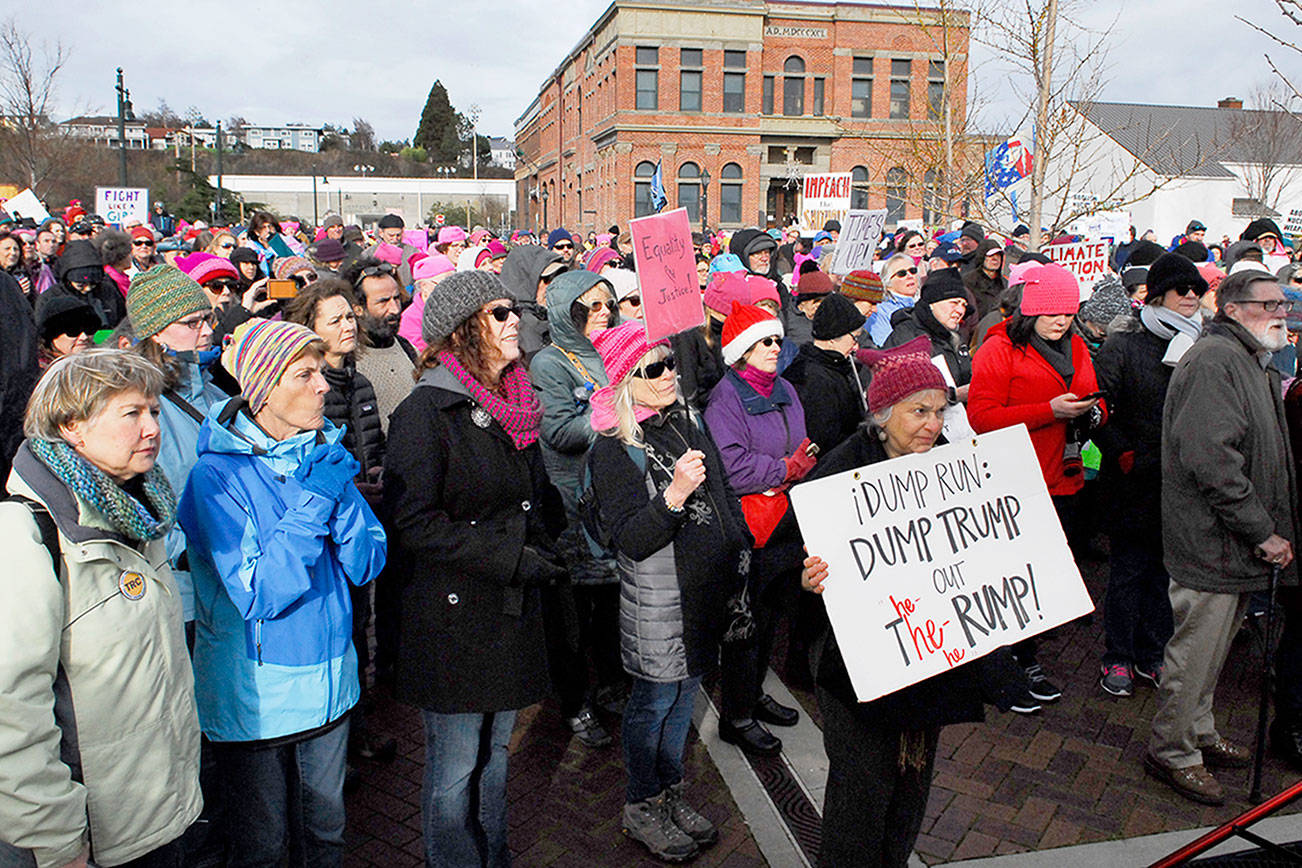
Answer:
x=621 y=349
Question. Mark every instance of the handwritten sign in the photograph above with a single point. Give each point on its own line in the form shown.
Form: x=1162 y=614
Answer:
x=25 y=204
x=666 y=273
x=1292 y=225
x=117 y=205
x=857 y=246
x=1088 y=260
x=937 y=559
x=824 y=197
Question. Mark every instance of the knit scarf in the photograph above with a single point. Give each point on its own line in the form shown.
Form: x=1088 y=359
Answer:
x=1057 y=354
x=1179 y=331
x=760 y=381
x=520 y=414
x=127 y=515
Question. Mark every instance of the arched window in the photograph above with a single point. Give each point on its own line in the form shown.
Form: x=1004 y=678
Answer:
x=859 y=187
x=793 y=86
x=730 y=183
x=642 y=188
x=897 y=189
x=689 y=190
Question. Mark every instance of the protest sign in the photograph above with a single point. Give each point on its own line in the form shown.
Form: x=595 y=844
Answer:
x=25 y=204
x=666 y=273
x=857 y=246
x=1088 y=260
x=1114 y=225
x=939 y=558
x=957 y=427
x=117 y=205
x=824 y=197
x=1292 y=225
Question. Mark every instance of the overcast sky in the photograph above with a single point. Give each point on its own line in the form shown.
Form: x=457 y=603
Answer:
x=329 y=61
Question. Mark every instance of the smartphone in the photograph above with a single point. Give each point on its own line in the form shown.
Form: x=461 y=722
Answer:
x=1092 y=396
x=281 y=288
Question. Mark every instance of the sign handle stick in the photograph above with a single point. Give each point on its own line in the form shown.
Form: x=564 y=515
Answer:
x=1263 y=707
x=863 y=396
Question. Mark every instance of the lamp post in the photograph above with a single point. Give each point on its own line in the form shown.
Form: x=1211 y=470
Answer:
x=545 y=194
x=705 y=197
x=217 y=212
x=124 y=109
x=315 y=221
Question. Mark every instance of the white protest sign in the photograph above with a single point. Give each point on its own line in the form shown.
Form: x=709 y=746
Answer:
x=117 y=205
x=1292 y=225
x=1088 y=260
x=857 y=246
x=25 y=204
x=939 y=558
x=824 y=197
x=957 y=427
x=1102 y=224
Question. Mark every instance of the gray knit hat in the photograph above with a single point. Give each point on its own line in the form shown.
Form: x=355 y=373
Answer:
x=454 y=300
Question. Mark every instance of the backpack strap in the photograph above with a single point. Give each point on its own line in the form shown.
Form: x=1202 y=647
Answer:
x=185 y=405
x=45 y=522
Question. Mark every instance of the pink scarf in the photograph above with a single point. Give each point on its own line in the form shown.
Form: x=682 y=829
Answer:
x=520 y=414
x=760 y=381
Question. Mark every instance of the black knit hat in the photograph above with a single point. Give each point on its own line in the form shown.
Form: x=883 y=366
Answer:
x=392 y=221
x=835 y=317
x=244 y=254
x=1173 y=271
x=1144 y=253
x=1259 y=227
x=973 y=230
x=940 y=285
x=1192 y=251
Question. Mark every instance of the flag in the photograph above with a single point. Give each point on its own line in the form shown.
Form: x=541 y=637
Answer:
x=1006 y=165
x=658 y=199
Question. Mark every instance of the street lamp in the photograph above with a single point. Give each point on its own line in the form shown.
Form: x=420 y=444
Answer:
x=705 y=196
x=363 y=169
x=545 y=195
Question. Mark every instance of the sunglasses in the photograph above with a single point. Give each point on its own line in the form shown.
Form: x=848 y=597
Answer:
x=596 y=306
x=655 y=369
x=563 y=246
x=1192 y=290
x=140 y=242
x=304 y=279
x=221 y=284
x=503 y=312
x=634 y=300
x=913 y=270
x=768 y=341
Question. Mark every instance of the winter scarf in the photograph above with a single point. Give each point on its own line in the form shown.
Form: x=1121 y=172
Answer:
x=1179 y=331
x=1057 y=354
x=519 y=414
x=760 y=381
x=125 y=513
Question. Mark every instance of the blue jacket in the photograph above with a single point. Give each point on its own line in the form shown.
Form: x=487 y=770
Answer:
x=879 y=324
x=271 y=562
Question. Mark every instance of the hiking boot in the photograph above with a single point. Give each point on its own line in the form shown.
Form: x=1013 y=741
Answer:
x=751 y=737
x=685 y=817
x=1040 y=686
x=1151 y=674
x=649 y=823
x=774 y=713
x=1194 y=783
x=589 y=729
x=1118 y=679
x=1224 y=754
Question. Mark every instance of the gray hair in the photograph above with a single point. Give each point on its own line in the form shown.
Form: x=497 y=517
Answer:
x=627 y=428
x=114 y=246
x=76 y=388
x=1238 y=287
x=899 y=258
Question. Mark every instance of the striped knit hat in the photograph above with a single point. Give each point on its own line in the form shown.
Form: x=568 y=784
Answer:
x=286 y=267
x=863 y=285
x=161 y=295
x=259 y=352
x=746 y=326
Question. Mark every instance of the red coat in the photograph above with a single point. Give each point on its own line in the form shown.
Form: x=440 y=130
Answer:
x=1015 y=384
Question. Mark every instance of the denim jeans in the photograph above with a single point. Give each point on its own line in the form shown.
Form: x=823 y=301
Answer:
x=293 y=793
x=463 y=804
x=1137 y=615
x=656 y=721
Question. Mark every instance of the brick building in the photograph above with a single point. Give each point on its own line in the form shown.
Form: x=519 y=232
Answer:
x=751 y=94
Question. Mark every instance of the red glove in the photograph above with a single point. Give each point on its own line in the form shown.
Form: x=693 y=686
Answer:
x=799 y=463
x=1126 y=460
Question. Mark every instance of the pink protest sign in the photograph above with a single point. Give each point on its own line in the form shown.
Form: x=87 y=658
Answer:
x=666 y=273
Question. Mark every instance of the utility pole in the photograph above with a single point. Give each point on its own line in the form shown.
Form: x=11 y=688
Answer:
x=218 y=212
x=1043 y=81
x=122 y=130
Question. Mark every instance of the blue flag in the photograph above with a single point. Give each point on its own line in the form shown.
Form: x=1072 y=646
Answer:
x=658 y=198
x=1006 y=164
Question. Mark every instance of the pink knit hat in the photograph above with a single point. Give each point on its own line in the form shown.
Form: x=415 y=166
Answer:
x=724 y=288
x=900 y=372
x=431 y=266
x=203 y=267
x=620 y=348
x=451 y=235
x=1017 y=274
x=599 y=258
x=746 y=326
x=389 y=253
x=1050 y=290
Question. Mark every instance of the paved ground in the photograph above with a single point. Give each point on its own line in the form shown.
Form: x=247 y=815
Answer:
x=1071 y=775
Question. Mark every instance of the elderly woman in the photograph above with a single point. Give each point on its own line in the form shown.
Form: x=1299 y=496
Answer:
x=1033 y=370
x=881 y=753
x=900 y=281
x=654 y=472
x=758 y=423
x=942 y=305
x=277 y=532
x=474 y=519
x=91 y=612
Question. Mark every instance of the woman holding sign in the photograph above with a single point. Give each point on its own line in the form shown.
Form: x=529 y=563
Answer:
x=880 y=753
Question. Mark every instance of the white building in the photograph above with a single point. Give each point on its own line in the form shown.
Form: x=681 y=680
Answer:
x=286 y=137
x=103 y=130
x=503 y=152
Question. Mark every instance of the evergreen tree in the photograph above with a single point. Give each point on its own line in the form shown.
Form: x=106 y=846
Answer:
x=439 y=124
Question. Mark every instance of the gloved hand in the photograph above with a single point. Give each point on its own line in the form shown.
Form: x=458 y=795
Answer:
x=537 y=569
x=799 y=463
x=327 y=470
x=372 y=487
x=1126 y=460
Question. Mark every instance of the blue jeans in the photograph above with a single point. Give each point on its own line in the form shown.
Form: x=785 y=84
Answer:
x=294 y=792
x=656 y=720
x=463 y=805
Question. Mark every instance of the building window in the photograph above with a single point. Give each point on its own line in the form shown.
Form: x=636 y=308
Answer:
x=689 y=190
x=932 y=200
x=805 y=156
x=793 y=87
x=767 y=108
x=730 y=194
x=777 y=155
x=818 y=96
x=689 y=80
x=648 y=80
x=900 y=72
x=861 y=88
x=859 y=187
x=935 y=89
x=734 y=60
x=734 y=82
x=897 y=189
x=642 y=188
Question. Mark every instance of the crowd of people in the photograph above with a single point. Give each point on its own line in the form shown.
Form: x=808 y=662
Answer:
x=258 y=473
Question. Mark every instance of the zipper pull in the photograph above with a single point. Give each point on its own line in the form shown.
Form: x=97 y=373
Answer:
x=257 y=638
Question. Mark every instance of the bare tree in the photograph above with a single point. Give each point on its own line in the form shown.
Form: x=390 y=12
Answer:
x=1267 y=142
x=1292 y=11
x=363 y=135
x=32 y=146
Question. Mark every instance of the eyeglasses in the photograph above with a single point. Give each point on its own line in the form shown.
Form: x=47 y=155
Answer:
x=1269 y=305
x=1192 y=289
x=634 y=300
x=194 y=323
x=913 y=270
x=141 y=242
x=503 y=312
x=655 y=369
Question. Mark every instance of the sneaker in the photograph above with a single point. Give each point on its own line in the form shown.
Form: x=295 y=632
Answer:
x=589 y=729
x=1024 y=703
x=1118 y=679
x=685 y=817
x=1151 y=674
x=1041 y=687
x=611 y=698
x=650 y=824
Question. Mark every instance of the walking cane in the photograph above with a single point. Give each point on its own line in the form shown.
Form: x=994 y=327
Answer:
x=1266 y=680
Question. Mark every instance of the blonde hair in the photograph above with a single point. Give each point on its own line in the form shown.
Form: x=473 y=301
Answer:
x=76 y=388
x=627 y=428
x=216 y=239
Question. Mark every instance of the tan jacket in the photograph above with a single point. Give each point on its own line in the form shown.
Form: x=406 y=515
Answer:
x=99 y=737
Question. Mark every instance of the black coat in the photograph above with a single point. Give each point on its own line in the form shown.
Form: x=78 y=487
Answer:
x=922 y=323
x=462 y=503
x=829 y=393
x=700 y=365
x=985 y=289
x=18 y=368
x=104 y=297
x=351 y=405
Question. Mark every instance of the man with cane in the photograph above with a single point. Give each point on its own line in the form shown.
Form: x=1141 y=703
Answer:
x=1229 y=516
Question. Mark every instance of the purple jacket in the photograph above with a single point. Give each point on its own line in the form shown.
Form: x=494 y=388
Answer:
x=754 y=433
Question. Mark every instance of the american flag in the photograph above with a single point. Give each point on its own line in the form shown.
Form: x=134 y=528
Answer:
x=1006 y=165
